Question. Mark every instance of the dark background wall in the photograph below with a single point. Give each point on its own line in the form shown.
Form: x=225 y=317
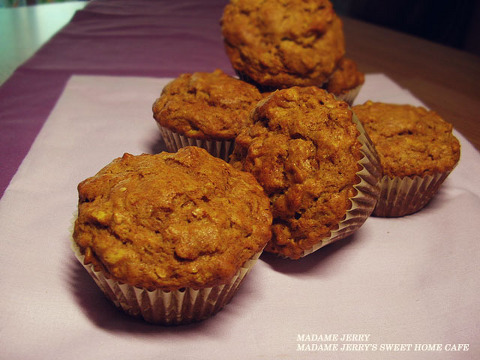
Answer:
x=453 y=23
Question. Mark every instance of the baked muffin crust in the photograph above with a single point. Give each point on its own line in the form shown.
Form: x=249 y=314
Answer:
x=204 y=105
x=346 y=77
x=169 y=221
x=283 y=43
x=409 y=140
x=303 y=150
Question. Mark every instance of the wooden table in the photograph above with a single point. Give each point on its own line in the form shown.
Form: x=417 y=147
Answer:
x=444 y=79
x=164 y=39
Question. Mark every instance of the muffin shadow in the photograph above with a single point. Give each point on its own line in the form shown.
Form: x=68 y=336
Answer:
x=157 y=145
x=316 y=262
x=102 y=313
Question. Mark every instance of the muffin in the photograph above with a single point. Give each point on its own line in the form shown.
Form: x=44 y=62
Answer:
x=346 y=81
x=282 y=44
x=319 y=169
x=169 y=237
x=206 y=110
x=417 y=151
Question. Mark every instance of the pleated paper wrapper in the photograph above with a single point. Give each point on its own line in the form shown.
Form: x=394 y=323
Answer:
x=350 y=95
x=218 y=148
x=400 y=196
x=364 y=202
x=174 y=307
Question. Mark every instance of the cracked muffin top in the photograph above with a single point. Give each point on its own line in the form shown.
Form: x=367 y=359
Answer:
x=303 y=149
x=410 y=140
x=213 y=106
x=169 y=221
x=280 y=44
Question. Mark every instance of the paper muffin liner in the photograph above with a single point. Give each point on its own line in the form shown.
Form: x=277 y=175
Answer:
x=350 y=96
x=400 y=196
x=174 y=141
x=368 y=191
x=174 y=307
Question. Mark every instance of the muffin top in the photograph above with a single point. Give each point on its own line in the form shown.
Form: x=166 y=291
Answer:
x=409 y=140
x=283 y=43
x=303 y=149
x=201 y=105
x=346 y=77
x=169 y=221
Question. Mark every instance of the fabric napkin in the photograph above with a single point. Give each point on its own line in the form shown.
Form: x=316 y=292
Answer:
x=411 y=281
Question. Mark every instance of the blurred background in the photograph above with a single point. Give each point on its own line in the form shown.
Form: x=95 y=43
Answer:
x=455 y=23
x=15 y=3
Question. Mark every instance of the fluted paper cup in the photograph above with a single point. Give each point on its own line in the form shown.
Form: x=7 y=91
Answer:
x=350 y=95
x=174 y=307
x=400 y=196
x=368 y=191
x=218 y=148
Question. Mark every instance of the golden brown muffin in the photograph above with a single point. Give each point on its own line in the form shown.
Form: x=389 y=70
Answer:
x=279 y=44
x=305 y=150
x=345 y=81
x=208 y=107
x=410 y=140
x=417 y=151
x=170 y=222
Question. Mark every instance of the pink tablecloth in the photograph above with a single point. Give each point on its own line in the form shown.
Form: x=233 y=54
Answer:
x=411 y=281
